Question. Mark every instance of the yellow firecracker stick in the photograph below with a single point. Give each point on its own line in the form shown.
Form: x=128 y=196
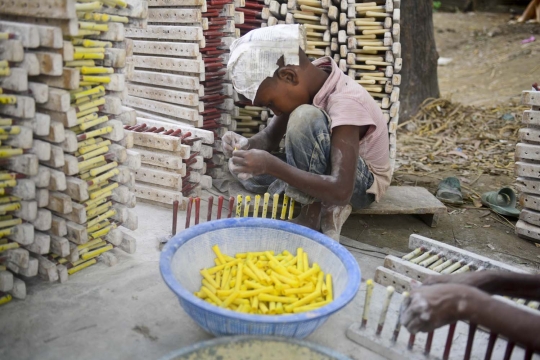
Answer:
x=291 y=209
x=246 y=206
x=86 y=149
x=99 y=225
x=84 y=265
x=5 y=299
x=93 y=154
x=86 y=112
x=96 y=5
x=4 y=64
x=100 y=218
x=96 y=79
x=85 y=50
x=103 y=231
x=99 y=210
x=9 y=223
x=104 y=177
x=88 y=56
x=8 y=183
x=5 y=72
x=6 y=36
x=101 y=169
x=238 y=205
x=92 y=43
x=10 y=130
x=96 y=70
x=284 y=207
x=367 y=302
x=6 y=122
x=94 y=133
x=8 y=199
x=9 y=246
x=80 y=63
x=90 y=105
x=266 y=200
x=256 y=206
x=104 y=190
x=95 y=253
x=92 y=91
x=90 y=162
x=93 y=26
x=8 y=99
x=116 y=3
x=5 y=153
x=275 y=203
x=92 y=123
x=9 y=207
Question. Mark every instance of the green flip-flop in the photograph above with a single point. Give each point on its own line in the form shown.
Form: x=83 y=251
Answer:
x=449 y=191
x=503 y=202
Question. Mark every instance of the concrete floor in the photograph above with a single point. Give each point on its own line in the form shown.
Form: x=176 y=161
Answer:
x=127 y=312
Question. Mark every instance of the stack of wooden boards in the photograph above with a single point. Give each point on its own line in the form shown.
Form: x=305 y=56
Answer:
x=180 y=79
x=528 y=168
x=69 y=176
x=173 y=160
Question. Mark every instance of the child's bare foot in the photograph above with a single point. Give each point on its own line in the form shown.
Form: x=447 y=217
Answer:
x=332 y=219
x=310 y=216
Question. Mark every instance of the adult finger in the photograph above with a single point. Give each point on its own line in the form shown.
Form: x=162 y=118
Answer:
x=238 y=161
x=415 y=326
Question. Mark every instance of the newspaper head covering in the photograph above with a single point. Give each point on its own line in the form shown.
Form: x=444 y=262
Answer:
x=254 y=56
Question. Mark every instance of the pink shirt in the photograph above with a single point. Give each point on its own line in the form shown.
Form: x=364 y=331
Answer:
x=348 y=103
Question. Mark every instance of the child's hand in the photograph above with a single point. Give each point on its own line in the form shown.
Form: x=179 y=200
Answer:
x=232 y=141
x=253 y=162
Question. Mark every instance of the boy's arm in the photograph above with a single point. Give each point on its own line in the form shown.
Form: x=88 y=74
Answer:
x=431 y=307
x=525 y=286
x=333 y=189
x=270 y=137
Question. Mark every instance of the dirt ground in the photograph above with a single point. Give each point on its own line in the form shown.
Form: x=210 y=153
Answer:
x=489 y=66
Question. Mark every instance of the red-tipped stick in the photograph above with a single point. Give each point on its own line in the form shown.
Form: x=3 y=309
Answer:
x=470 y=340
x=509 y=349
x=210 y=204
x=219 y=206
x=429 y=341
x=491 y=344
x=175 y=216
x=197 y=210
x=188 y=212
x=411 y=341
x=449 y=339
x=231 y=206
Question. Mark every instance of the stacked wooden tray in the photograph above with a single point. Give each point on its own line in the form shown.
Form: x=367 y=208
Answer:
x=68 y=147
x=528 y=169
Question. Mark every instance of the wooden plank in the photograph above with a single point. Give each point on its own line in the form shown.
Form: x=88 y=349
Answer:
x=26 y=33
x=407 y=268
x=449 y=251
x=69 y=79
x=527 y=152
x=169 y=64
x=49 y=9
x=207 y=136
x=530 y=98
x=59 y=100
x=162 y=142
x=158 y=32
x=527 y=170
x=531 y=117
x=159 y=177
x=50 y=63
x=177 y=16
x=387 y=277
x=157 y=194
x=11 y=50
x=525 y=185
x=165 y=95
x=67 y=26
x=529 y=135
x=166 y=48
x=24 y=108
x=163 y=159
x=530 y=201
x=39 y=91
x=137 y=9
x=190 y=114
x=528 y=231
x=30 y=63
x=16 y=81
x=167 y=80
x=530 y=216
x=406 y=200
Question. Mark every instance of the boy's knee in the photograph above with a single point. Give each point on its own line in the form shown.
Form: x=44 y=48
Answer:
x=306 y=117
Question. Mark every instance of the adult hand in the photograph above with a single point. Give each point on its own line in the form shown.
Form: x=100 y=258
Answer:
x=232 y=141
x=430 y=307
x=253 y=162
x=477 y=279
